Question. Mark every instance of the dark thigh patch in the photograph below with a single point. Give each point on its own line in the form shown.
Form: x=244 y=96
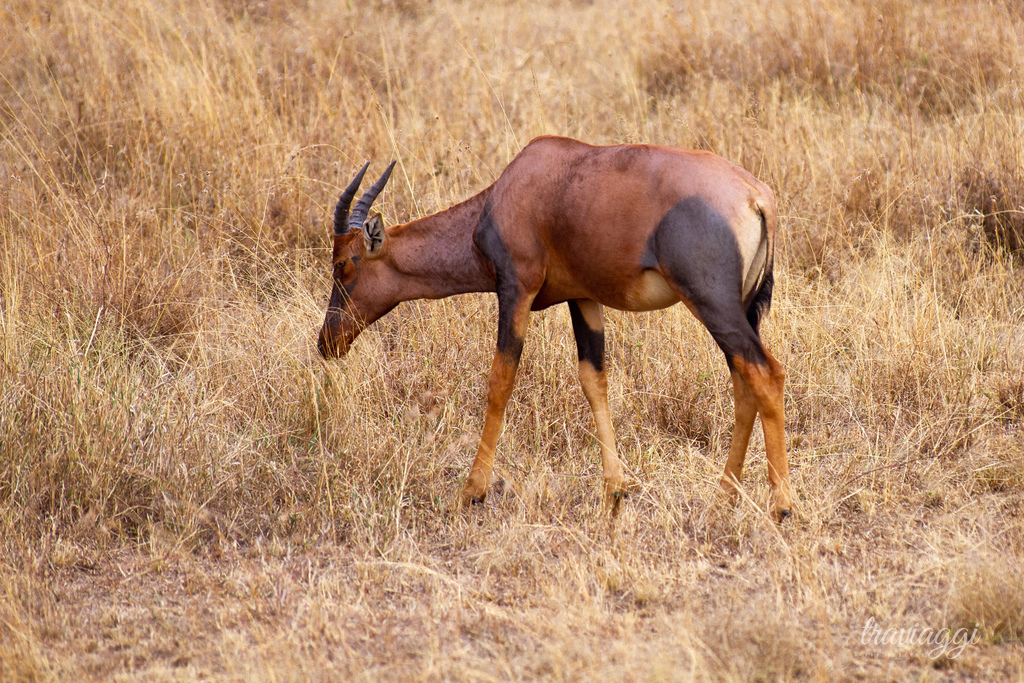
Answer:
x=695 y=247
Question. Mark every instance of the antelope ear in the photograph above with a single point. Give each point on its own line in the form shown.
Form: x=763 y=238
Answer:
x=373 y=231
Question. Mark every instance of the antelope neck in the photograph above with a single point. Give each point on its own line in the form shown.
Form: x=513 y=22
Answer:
x=434 y=257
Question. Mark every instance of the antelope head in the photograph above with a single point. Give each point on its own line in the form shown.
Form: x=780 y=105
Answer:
x=359 y=240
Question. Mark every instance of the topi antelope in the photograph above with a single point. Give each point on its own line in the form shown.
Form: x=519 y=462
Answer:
x=634 y=227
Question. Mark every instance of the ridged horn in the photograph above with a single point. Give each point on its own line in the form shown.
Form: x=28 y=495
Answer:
x=345 y=201
x=366 y=201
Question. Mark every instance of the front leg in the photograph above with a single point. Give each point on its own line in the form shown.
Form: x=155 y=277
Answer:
x=588 y=327
x=513 y=320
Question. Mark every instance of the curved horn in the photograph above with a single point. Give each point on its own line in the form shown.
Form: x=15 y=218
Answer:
x=345 y=201
x=364 y=203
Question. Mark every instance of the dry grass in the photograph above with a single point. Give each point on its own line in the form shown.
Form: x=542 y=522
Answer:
x=187 y=491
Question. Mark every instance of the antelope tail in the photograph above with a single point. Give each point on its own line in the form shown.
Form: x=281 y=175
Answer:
x=759 y=299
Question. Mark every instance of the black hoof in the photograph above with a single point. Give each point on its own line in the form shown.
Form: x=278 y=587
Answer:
x=616 y=499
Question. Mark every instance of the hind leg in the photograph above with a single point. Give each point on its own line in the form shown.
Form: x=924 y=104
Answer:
x=758 y=382
x=765 y=380
x=588 y=327
x=760 y=387
x=697 y=250
x=745 y=410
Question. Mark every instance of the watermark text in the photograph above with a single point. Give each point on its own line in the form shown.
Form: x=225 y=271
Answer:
x=940 y=642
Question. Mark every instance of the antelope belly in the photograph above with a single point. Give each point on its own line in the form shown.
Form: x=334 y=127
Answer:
x=651 y=292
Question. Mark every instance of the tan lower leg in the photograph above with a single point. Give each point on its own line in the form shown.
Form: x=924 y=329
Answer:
x=595 y=387
x=503 y=374
x=766 y=384
x=745 y=409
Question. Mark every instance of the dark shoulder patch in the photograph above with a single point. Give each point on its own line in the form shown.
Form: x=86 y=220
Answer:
x=489 y=242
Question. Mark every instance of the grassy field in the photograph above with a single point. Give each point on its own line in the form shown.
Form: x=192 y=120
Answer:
x=188 y=492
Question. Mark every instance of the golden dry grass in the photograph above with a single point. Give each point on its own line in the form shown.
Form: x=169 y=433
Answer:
x=187 y=491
